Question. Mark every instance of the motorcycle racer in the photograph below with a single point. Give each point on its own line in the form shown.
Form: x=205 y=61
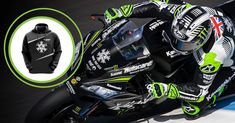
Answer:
x=206 y=33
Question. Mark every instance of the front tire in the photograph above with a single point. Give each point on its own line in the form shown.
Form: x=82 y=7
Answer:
x=51 y=108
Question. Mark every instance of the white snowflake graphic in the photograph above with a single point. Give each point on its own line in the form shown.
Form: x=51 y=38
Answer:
x=103 y=56
x=41 y=47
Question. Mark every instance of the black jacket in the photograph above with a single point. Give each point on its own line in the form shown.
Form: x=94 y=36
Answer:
x=41 y=49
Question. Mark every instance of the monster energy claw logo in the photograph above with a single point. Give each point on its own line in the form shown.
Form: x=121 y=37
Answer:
x=208 y=68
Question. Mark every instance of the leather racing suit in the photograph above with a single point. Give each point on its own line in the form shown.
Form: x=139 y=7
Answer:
x=215 y=59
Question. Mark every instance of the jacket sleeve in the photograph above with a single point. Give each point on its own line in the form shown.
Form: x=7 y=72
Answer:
x=26 y=54
x=153 y=9
x=57 y=53
x=206 y=82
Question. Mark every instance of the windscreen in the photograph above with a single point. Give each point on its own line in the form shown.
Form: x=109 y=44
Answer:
x=129 y=42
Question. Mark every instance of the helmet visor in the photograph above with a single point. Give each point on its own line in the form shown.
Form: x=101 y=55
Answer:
x=185 y=47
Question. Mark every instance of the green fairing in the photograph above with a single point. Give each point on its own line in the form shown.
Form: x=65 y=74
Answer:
x=210 y=65
x=126 y=10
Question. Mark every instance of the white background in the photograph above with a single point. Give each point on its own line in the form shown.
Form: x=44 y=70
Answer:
x=66 y=46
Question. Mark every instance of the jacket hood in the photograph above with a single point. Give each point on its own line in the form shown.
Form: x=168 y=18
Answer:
x=41 y=28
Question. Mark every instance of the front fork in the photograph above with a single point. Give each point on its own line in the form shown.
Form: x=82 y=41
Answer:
x=85 y=102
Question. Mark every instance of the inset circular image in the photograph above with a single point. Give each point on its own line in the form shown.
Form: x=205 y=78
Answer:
x=43 y=47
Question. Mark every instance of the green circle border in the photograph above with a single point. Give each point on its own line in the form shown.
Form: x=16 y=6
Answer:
x=41 y=9
x=43 y=81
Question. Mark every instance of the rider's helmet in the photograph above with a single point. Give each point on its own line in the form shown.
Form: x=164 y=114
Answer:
x=191 y=28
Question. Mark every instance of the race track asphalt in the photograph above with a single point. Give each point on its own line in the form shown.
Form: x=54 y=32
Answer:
x=19 y=98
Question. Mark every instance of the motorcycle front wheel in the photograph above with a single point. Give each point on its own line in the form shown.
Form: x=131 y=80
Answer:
x=56 y=107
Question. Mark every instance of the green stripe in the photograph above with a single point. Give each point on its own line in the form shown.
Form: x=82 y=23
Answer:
x=119 y=80
x=96 y=34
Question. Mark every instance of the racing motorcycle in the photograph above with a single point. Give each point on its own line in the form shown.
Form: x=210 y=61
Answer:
x=118 y=63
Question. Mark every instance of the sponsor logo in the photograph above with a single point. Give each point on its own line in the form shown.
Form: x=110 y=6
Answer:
x=189 y=98
x=208 y=68
x=208 y=77
x=96 y=63
x=189 y=109
x=109 y=30
x=156 y=24
x=41 y=47
x=74 y=82
x=103 y=56
x=116 y=73
x=91 y=65
x=138 y=67
x=172 y=54
x=47 y=39
x=76 y=110
x=130 y=104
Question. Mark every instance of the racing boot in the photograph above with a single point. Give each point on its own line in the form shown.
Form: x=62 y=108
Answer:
x=190 y=110
x=194 y=110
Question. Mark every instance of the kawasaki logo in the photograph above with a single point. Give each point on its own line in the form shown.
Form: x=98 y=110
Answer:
x=172 y=54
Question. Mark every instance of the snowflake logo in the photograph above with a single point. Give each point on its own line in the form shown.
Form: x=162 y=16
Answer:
x=103 y=56
x=41 y=47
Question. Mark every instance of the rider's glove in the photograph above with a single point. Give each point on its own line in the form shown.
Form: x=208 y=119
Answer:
x=158 y=90
x=112 y=14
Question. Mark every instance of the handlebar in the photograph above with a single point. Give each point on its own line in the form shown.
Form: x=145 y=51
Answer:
x=98 y=17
